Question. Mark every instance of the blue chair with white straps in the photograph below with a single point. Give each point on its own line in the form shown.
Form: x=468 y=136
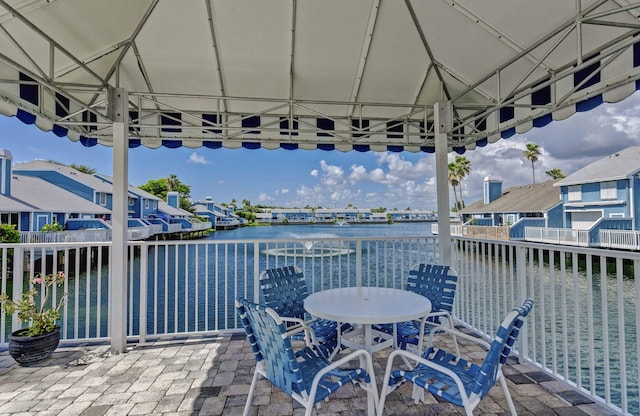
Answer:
x=438 y=284
x=453 y=378
x=305 y=375
x=284 y=289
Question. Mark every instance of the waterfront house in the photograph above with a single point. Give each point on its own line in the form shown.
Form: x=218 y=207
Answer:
x=32 y=202
x=600 y=204
x=512 y=210
x=221 y=217
x=84 y=185
x=605 y=188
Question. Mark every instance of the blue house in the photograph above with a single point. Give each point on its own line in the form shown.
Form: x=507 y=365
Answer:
x=603 y=194
x=84 y=185
x=141 y=204
x=517 y=207
x=220 y=216
x=31 y=202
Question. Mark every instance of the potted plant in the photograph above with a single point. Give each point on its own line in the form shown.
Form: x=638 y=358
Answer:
x=39 y=340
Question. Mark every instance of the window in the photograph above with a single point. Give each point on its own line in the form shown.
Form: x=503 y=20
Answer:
x=608 y=190
x=132 y=202
x=102 y=196
x=575 y=193
x=146 y=204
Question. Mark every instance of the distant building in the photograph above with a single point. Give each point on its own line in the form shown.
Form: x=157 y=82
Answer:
x=517 y=207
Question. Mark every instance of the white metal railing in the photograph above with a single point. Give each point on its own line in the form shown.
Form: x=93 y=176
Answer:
x=456 y=229
x=200 y=225
x=620 y=239
x=98 y=235
x=580 y=315
x=584 y=325
x=566 y=236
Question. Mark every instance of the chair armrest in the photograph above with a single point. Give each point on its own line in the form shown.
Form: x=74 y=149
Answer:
x=427 y=363
x=300 y=325
x=364 y=357
x=457 y=333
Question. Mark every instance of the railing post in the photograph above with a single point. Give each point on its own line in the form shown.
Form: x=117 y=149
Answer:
x=359 y=263
x=523 y=340
x=256 y=270
x=144 y=275
x=18 y=278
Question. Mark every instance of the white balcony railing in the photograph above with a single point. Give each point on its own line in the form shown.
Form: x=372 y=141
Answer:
x=565 y=236
x=583 y=328
x=620 y=239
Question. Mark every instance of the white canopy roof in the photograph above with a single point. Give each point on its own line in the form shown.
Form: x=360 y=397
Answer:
x=331 y=74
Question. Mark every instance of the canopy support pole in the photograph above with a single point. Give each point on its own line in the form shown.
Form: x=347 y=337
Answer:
x=442 y=123
x=118 y=103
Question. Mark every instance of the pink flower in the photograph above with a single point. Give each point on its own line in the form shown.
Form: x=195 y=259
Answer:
x=37 y=280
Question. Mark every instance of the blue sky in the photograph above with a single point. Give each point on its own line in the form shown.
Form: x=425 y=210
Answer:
x=334 y=179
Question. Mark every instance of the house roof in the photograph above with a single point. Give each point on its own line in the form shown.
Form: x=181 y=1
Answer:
x=358 y=74
x=12 y=204
x=524 y=198
x=174 y=212
x=618 y=165
x=134 y=191
x=41 y=195
x=201 y=208
x=91 y=181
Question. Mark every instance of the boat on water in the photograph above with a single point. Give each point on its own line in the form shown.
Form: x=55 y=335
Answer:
x=342 y=223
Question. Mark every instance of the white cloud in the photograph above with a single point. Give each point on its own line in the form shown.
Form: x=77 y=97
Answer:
x=198 y=159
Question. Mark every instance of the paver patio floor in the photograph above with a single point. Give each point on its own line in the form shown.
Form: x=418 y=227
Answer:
x=210 y=375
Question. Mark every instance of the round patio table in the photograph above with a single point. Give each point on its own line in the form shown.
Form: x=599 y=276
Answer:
x=365 y=306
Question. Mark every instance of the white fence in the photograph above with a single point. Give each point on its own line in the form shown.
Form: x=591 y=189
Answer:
x=620 y=239
x=583 y=328
x=565 y=236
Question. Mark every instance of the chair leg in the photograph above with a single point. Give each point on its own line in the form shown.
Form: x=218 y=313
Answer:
x=505 y=388
x=455 y=340
x=247 y=405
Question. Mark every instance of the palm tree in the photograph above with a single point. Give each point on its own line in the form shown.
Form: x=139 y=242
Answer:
x=463 y=166
x=556 y=173
x=453 y=180
x=172 y=182
x=531 y=153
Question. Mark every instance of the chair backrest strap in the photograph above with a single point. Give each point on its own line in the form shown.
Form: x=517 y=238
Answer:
x=284 y=289
x=500 y=348
x=265 y=332
x=434 y=282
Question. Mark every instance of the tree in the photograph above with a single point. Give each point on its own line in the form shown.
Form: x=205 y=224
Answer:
x=453 y=181
x=83 y=168
x=172 y=183
x=556 y=173
x=531 y=153
x=459 y=169
x=159 y=188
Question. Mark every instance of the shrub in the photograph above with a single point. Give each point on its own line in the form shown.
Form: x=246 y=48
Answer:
x=51 y=228
x=9 y=234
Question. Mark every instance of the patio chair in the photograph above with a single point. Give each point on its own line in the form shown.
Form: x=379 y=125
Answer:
x=453 y=378
x=284 y=289
x=305 y=375
x=438 y=284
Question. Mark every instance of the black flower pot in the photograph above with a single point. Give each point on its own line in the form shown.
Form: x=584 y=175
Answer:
x=28 y=350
